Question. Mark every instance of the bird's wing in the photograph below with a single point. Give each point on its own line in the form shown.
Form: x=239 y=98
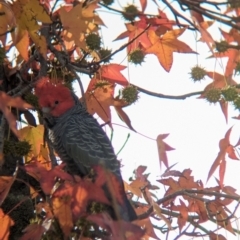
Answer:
x=87 y=144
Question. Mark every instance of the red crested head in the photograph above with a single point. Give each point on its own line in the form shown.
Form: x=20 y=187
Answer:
x=54 y=99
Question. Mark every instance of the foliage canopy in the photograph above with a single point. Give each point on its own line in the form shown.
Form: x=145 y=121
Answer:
x=57 y=41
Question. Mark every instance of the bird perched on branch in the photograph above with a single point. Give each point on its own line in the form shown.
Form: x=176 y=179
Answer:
x=79 y=140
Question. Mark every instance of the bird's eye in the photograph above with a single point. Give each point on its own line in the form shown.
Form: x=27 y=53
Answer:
x=56 y=102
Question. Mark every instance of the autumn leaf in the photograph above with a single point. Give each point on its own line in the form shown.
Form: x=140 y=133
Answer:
x=63 y=212
x=119 y=104
x=7 y=21
x=205 y=35
x=183 y=216
x=162 y=149
x=163 y=47
x=139 y=173
x=112 y=73
x=34 y=135
x=104 y=221
x=80 y=193
x=158 y=211
x=46 y=178
x=7 y=101
x=214 y=236
x=5 y=185
x=145 y=224
x=79 y=21
x=33 y=231
x=5 y=222
x=143 y=4
x=133 y=30
x=223 y=145
x=220 y=82
x=135 y=187
x=100 y=100
x=28 y=15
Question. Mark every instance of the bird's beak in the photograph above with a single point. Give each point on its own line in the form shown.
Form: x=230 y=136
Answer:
x=46 y=109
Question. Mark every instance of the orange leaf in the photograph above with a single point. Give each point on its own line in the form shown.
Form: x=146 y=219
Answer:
x=135 y=30
x=104 y=221
x=7 y=101
x=5 y=222
x=124 y=117
x=46 y=178
x=162 y=149
x=214 y=236
x=100 y=100
x=63 y=212
x=222 y=169
x=223 y=145
x=5 y=185
x=33 y=231
x=163 y=47
x=145 y=224
x=143 y=4
x=79 y=193
x=111 y=72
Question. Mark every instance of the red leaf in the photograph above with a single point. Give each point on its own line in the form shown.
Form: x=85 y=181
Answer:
x=111 y=72
x=223 y=145
x=117 y=228
x=33 y=231
x=124 y=117
x=162 y=149
x=46 y=178
x=222 y=169
x=143 y=4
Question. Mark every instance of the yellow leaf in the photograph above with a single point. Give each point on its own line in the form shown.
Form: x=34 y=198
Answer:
x=7 y=20
x=29 y=14
x=62 y=211
x=38 y=11
x=163 y=47
x=158 y=211
x=34 y=135
x=44 y=157
x=22 y=44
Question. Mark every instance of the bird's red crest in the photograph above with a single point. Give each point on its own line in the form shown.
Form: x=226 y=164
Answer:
x=57 y=98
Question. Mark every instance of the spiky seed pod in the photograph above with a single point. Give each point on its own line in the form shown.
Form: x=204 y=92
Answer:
x=93 y=41
x=137 y=56
x=236 y=103
x=22 y=148
x=104 y=53
x=234 y=3
x=2 y=54
x=213 y=95
x=97 y=207
x=230 y=94
x=197 y=73
x=101 y=83
x=108 y=2
x=130 y=12
x=16 y=148
x=32 y=99
x=9 y=148
x=221 y=46
x=130 y=94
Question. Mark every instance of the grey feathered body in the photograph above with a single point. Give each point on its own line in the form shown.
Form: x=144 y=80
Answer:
x=81 y=143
